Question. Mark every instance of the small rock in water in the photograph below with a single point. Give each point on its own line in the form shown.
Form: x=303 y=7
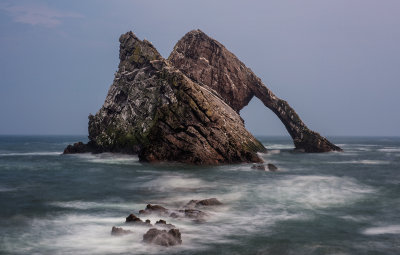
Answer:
x=158 y=209
x=272 y=167
x=174 y=215
x=258 y=166
x=163 y=223
x=78 y=147
x=162 y=237
x=204 y=202
x=197 y=215
x=119 y=231
x=132 y=218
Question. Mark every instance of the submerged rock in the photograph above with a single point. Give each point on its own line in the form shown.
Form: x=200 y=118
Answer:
x=119 y=231
x=209 y=63
x=155 y=110
x=162 y=237
x=194 y=214
x=272 y=167
x=258 y=166
x=204 y=202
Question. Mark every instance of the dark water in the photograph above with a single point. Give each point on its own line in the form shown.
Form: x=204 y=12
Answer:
x=332 y=203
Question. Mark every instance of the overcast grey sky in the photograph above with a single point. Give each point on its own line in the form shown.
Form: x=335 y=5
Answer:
x=336 y=62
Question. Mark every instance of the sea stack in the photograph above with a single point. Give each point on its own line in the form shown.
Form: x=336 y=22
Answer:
x=155 y=110
x=209 y=63
x=186 y=108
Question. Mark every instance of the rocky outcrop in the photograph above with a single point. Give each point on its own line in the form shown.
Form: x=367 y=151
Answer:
x=186 y=108
x=164 y=224
x=120 y=231
x=154 y=110
x=154 y=209
x=209 y=63
x=205 y=202
x=162 y=237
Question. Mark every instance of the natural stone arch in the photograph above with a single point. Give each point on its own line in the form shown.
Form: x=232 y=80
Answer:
x=209 y=63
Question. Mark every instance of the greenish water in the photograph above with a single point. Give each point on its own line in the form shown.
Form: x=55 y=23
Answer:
x=331 y=203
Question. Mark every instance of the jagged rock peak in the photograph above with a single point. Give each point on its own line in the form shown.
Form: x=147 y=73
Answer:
x=154 y=110
x=210 y=64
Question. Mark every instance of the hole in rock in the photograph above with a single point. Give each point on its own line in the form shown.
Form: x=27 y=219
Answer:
x=263 y=123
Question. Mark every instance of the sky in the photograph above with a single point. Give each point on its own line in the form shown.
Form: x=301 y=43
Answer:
x=337 y=62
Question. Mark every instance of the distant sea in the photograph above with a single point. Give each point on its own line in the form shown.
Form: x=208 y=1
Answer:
x=329 y=203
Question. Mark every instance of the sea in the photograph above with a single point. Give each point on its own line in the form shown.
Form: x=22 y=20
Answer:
x=319 y=203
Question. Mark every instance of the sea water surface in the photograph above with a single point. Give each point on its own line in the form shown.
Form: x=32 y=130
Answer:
x=329 y=203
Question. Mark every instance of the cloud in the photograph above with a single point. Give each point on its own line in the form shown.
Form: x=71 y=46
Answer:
x=37 y=15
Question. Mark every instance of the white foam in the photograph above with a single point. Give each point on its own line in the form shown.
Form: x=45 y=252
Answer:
x=390 y=149
x=365 y=162
x=84 y=234
x=272 y=152
x=314 y=191
x=175 y=182
x=109 y=158
x=84 y=205
x=42 y=153
x=279 y=146
x=390 y=229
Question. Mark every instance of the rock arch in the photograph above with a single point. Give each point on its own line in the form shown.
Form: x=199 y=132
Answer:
x=210 y=64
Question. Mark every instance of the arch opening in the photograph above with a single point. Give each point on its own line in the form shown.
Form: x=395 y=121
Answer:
x=265 y=125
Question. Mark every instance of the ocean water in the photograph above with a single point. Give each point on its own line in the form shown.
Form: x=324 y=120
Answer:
x=330 y=203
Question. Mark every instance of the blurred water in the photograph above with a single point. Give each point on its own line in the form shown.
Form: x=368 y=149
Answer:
x=331 y=203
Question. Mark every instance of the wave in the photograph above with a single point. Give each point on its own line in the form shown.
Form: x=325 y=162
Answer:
x=279 y=146
x=390 y=229
x=314 y=191
x=42 y=153
x=390 y=149
x=6 y=189
x=85 y=205
x=175 y=182
x=109 y=158
x=365 y=162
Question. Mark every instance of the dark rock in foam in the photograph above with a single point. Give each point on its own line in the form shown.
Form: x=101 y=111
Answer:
x=120 y=231
x=162 y=237
x=204 y=202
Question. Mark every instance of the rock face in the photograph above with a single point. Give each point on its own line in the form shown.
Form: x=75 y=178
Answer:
x=162 y=237
x=209 y=63
x=154 y=110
